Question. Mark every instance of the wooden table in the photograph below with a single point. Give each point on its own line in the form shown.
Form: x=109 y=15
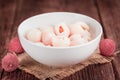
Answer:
x=107 y=12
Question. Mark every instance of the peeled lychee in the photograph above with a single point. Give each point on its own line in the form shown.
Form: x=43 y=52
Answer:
x=10 y=62
x=62 y=30
x=60 y=41
x=47 y=37
x=15 y=46
x=107 y=47
x=34 y=35
x=76 y=39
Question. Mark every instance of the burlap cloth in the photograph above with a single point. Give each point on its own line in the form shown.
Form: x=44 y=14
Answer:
x=42 y=72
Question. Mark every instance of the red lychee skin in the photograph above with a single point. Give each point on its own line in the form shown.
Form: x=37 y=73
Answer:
x=15 y=46
x=107 y=47
x=10 y=62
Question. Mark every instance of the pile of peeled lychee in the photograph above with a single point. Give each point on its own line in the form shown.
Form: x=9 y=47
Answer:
x=10 y=61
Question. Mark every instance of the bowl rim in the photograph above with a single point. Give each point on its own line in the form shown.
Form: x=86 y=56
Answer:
x=69 y=47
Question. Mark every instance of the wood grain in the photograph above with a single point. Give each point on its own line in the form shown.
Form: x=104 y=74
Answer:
x=13 y=12
x=110 y=16
x=18 y=75
x=7 y=14
x=94 y=72
x=116 y=67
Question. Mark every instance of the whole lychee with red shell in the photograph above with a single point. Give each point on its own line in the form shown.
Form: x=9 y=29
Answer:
x=15 y=46
x=10 y=62
x=107 y=47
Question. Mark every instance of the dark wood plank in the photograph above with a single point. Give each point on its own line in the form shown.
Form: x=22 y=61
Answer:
x=110 y=17
x=18 y=75
x=116 y=67
x=42 y=6
x=94 y=72
x=7 y=12
x=29 y=8
x=109 y=11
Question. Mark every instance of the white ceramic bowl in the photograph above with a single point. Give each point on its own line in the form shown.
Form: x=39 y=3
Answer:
x=63 y=56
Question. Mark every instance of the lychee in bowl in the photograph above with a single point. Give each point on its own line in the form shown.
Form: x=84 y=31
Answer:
x=59 y=56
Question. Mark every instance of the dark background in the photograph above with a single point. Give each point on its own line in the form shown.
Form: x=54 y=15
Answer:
x=107 y=12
